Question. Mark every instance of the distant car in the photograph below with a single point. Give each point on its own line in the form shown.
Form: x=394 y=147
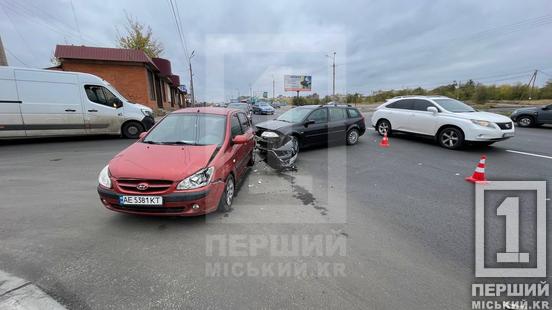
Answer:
x=262 y=107
x=451 y=122
x=534 y=116
x=244 y=107
x=186 y=165
x=276 y=104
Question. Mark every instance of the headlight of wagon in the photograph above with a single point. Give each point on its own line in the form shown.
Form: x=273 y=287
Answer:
x=103 y=178
x=270 y=135
x=483 y=123
x=197 y=180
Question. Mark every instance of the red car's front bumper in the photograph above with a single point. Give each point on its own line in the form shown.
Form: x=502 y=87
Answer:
x=174 y=204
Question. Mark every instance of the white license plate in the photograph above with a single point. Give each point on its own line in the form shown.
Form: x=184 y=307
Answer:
x=141 y=200
x=509 y=134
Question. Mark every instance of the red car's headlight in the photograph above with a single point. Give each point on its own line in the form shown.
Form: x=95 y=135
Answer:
x=197 y=180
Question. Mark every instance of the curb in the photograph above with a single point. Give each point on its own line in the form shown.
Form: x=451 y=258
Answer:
x=17 y=293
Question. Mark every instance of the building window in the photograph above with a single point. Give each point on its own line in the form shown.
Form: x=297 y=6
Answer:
x=151 y=85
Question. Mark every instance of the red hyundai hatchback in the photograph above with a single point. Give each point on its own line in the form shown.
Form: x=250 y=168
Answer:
x=188 y=164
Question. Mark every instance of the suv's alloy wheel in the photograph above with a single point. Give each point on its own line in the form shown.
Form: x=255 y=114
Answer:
x=384 y=127
x=451 y=138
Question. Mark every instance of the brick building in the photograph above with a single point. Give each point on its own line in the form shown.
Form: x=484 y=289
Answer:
x=135 y=75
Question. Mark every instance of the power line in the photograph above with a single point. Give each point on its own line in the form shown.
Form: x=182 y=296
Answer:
x=31 y=15
x=15 y=56
x=76 y=20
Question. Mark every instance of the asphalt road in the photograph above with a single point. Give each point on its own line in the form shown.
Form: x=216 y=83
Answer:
x=404 y=217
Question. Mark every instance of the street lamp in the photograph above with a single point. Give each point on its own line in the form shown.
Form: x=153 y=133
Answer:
x=333 y=66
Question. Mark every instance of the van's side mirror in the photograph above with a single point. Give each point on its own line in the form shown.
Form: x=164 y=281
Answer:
x=432 y=110
x=142 y=135
x=117 y=103
x=309 y=122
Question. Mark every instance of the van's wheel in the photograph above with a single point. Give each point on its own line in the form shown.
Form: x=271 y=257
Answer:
x=227 y=197
x=352 y=136
x=132 y=130
x=451 y=138
x=526 y=121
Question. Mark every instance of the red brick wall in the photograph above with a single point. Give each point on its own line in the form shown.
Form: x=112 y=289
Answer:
x=129 y=79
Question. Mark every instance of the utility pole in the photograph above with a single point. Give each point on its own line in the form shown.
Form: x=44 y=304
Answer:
x=273 y=83
x=333 y=80
x=3 y=59
x=191 y=78
x=531 y=84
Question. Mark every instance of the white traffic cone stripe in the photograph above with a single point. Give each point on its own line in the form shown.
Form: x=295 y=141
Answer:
x=480 y=170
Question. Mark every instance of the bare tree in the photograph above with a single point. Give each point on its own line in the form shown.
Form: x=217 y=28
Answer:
x=140 y=37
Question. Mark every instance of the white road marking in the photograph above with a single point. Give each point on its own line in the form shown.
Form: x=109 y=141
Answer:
x=529 y=154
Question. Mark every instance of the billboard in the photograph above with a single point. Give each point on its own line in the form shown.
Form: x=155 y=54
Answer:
x=297 y=82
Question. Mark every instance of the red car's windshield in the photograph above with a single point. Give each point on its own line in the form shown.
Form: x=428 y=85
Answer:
x=193 y=129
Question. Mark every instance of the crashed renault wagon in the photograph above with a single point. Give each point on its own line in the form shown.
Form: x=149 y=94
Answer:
x=279 y=140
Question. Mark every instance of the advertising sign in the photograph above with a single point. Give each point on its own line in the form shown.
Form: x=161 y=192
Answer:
x=297 y=82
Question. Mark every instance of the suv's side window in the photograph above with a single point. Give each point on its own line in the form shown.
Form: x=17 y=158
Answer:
x=235 y=127
x=422 y=105
x=100 y=95
x=319 y=116
x=244 y=121
x=337 y=114
x=405 y=104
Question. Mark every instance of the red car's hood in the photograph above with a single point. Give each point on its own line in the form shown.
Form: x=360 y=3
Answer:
x=160 y=162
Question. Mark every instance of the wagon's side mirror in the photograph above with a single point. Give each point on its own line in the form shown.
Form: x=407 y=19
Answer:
x=143 y=134
x=309 y=122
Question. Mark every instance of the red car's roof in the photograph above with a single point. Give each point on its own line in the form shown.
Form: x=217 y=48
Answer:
x=209 y=110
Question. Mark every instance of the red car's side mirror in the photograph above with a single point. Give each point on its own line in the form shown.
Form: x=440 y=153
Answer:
x=143 y=134
x=240 y=139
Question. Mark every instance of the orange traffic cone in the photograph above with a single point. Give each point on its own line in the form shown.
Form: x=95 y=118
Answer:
x=478 y=175
x=385 y=141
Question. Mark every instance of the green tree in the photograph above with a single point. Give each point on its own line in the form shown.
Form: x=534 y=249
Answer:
x=140 y=37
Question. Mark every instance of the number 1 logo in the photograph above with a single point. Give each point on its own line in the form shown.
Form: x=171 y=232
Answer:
x=510 y=210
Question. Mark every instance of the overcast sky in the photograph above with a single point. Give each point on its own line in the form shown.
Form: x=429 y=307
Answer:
x=241 y=44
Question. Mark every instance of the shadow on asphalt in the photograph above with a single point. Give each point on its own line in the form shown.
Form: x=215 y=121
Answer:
x=432 y=143
x=59 y=139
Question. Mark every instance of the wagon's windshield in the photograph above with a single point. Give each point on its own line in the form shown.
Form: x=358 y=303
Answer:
x=188 y=129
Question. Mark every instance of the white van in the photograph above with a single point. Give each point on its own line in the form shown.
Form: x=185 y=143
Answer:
x=40 y=103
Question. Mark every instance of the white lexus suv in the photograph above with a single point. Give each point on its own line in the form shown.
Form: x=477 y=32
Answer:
x=451 y=122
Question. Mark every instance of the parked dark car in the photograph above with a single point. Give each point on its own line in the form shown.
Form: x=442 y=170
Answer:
x=529 y=117
x=278 y=140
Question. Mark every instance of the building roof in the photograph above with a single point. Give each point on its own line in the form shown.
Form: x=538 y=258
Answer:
x=102 y=53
